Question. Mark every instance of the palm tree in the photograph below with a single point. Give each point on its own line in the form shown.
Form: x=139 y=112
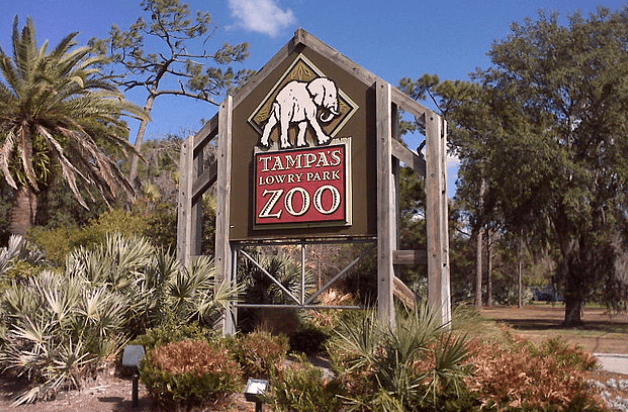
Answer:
x=58 y=114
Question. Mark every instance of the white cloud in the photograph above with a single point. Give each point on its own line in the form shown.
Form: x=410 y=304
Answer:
x=261 y=16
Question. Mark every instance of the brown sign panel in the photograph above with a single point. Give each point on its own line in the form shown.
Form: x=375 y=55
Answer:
x=303 y=154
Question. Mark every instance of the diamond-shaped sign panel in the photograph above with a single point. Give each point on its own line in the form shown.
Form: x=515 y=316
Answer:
x=303 y=70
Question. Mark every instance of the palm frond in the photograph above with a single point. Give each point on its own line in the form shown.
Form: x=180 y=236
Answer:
x=61 y=93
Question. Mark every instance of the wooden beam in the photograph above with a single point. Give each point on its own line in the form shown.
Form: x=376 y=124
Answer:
x=436 y=217
x=196 y=215
x=207 y=133
x=408 y=157
x=408 y=104
x=223 y=253
x=184 y=203
x=385 y=206
x=404 y=293
x=410 y=257
x=205 y=180
x=338 y=58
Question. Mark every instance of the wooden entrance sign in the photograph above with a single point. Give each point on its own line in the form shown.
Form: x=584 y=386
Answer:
x=308 y=151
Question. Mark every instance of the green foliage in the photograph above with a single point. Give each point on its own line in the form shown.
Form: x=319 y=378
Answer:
x=185 y=374
x=260 y=354
x=419 y=365
x=309 y=339
x=21 y=271
x=544 y=129
x=302 y=387
x=173 y=330
x=63 y=131
x=59 y=242
x=161 y=225
x=59 y=326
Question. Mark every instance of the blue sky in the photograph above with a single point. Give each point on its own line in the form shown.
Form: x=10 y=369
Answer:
x=393 y=38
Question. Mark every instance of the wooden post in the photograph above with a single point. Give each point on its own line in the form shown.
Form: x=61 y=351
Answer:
x=196 y=212
x=184 y=220
x=436 y=217
x=223 y=257
x=386 y=213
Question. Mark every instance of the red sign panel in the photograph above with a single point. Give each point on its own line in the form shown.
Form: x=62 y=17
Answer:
x=302 y=187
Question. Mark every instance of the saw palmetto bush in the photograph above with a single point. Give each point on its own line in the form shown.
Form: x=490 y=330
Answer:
x=417 y=365
x=60 y=326
x=18 y=252
x=57 y=329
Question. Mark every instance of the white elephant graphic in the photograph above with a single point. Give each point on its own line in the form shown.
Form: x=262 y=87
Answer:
x=302 y=103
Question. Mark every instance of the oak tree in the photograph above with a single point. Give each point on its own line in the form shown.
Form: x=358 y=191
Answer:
x=556 y=155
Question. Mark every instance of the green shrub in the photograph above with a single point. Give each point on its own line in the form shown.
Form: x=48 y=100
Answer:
x=309 y=339
x=57 y=327
x=303 y=388
x=187 y=374
x=418 y=366
x=57 y=243
x=259 y=353
x=171 y=331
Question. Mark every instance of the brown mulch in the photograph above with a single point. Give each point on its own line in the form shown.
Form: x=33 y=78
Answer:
x=110 y=392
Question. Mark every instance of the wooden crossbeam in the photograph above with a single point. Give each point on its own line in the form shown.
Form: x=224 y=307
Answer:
x=408 y=157
x=205 y=180
x=410 y=257
x=206 y=134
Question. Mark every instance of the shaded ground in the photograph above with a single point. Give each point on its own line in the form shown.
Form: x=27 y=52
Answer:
x=600 y=333
x=109 y=393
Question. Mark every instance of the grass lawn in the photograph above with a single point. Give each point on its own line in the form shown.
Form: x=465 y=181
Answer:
x=601 y=332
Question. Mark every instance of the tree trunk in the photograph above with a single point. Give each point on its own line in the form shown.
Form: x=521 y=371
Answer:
x=478 y=249
x=478 y=269
x=520 y=281
x=489 y=268
x=139 y=141
x=573 y=313
x=572 y=272
x=575 y=291
x=24 y=211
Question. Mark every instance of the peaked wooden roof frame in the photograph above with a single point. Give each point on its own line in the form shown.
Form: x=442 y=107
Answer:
x=196 y=179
